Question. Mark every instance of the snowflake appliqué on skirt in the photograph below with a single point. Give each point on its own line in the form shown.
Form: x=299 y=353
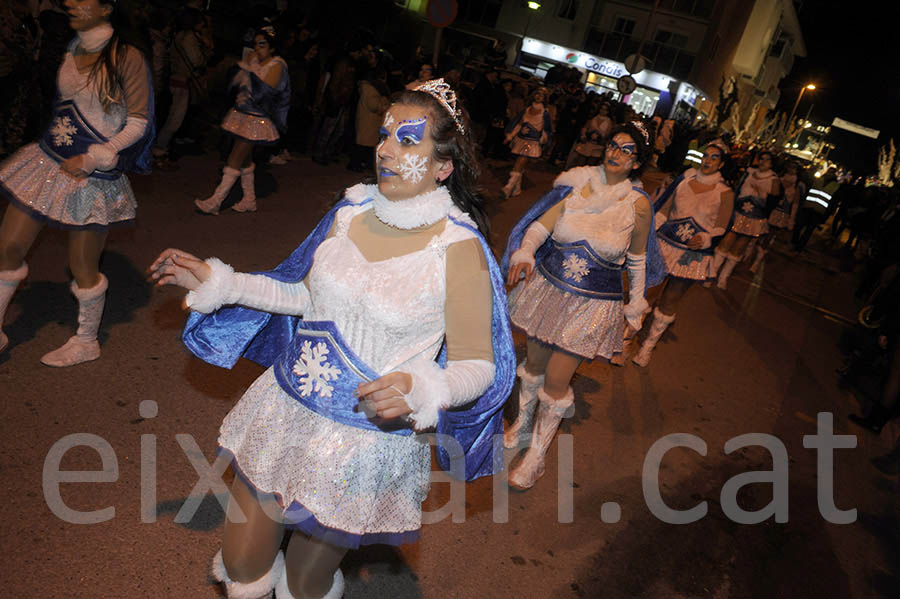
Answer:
x=576 y=267
x=413 y=167
x=685 y=232
x=62 y=131
x=314 y=370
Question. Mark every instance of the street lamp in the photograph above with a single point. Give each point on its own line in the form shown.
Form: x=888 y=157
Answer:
x=534 y=5
x=810 y=87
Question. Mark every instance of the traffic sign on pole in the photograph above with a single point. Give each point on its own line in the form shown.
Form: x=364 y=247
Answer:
x=441 y=13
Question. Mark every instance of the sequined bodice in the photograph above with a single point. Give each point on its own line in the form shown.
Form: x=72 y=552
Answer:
x=388 y=311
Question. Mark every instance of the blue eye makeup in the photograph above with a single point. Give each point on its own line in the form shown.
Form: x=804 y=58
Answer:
x=411 y=130
x=384 y=132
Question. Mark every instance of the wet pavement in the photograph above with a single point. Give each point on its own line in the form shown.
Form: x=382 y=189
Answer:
x=757 y=358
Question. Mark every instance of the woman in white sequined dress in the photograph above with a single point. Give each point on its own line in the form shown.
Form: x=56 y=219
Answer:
x=570 y=304
x=259 y=116
x=73 y=178
x=399 y=272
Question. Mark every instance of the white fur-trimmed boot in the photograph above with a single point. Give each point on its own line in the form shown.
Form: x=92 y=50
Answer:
x=659 y=325
x=335 y=592
x=550 y=413
x=248 y=202
x=514 y=185
x=730 y=263
x=627 y=346
x=718 y=260
x=519 y=430
x=757 y=262
x=211 y=204
x=261 y=588
x=9 y=281
x=83 y=345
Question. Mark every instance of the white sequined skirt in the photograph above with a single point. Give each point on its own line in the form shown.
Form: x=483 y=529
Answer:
x=752 y=227
x=686 y=264
x=779 y=219
x=525 y=147
x=251 y=128
x=579 y=325
x=34 y=182
x=369 y=484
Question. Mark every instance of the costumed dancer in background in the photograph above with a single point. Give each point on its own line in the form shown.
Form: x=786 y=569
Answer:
x=588 y=150
x=394 y=272
x=784 y=215
x=527 y=136
x=259 y=116
x=571 y=247
x=690 y=214
x=73 y=178
x=757 y=191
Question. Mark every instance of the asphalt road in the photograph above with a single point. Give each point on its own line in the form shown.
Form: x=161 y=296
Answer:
x=757 y=358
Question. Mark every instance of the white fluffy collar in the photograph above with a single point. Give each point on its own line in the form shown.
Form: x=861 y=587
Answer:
x=419 y=211
x=602 y=195
x=759 y=175
x=712 y=179
x=95 y=38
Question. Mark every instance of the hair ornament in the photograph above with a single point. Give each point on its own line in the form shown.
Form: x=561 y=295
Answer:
x=642 y=129
x=720 y=143
x=270 y=31
x=443 y=93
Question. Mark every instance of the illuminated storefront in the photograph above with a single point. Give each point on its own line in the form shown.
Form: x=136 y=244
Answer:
x=654 y=91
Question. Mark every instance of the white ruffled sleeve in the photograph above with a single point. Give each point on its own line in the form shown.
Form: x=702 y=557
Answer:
x=260 y=292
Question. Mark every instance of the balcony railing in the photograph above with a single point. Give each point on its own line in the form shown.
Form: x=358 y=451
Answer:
x=669 y=60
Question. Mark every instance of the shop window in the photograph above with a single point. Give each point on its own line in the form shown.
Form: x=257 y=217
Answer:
x=568 y=9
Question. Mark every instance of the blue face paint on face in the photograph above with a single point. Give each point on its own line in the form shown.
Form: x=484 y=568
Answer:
x=411 y=132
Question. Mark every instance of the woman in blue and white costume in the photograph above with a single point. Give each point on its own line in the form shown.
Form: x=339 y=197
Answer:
x=571 y=247
x=757 y=191
x=527 y=135
x=259 y=116
x=692 y=212
x=392 y=274
x=74 y=177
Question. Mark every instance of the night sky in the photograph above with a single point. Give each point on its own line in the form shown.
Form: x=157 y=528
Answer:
x=852 y=59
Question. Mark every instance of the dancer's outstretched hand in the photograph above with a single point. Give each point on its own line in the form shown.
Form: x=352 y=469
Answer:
x=177 y=267
x=384 y=397
x=515 y=272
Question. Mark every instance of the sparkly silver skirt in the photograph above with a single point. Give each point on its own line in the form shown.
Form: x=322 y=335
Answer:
x=587 y=327
x=779 y=219
x=525 y=147
x=686 y=264
x=360 y=481
x=34 y=182
x=752 y=227
x=251 y=128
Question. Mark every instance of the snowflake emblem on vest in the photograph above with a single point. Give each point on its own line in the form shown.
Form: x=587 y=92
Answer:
x=576 y=267
x=62 y=131
x=747 y=206
x=413 y=168
x=314 y=370
x=684 y=231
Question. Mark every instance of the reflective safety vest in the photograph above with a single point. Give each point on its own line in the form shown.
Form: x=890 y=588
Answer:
x=694 y=155
x=821 y=198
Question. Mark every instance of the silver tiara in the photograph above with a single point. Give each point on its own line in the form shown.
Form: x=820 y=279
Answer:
x=443 y=93
x=268 y=29
x=640 y=127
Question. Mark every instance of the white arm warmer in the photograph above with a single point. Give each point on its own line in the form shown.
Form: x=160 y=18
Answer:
x=534 y=237
x=637 y=305
x=435 y=388
x=105 y=156
x=224 y=287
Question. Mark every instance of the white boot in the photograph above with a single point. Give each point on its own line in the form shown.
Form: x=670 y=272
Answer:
x=335 y=592
x=9 y=280
x=211 y=204
x=550 y=413
x=760 y=256
x=718 y=260
x=660 y=323
x=248 y=202
x=520 y=430
x=83 y=345
x=514 y=185
x=627 y=345
x=261 y=588
x=730 y=263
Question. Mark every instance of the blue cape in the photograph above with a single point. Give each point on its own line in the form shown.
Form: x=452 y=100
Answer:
x=229 y=333
x=656 y=266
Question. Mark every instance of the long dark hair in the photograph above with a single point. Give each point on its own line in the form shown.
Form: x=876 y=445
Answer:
x=451 y=144
x=105 y=71
x=644 y=145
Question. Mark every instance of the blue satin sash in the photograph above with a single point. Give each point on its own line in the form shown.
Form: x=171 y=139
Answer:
x=784 y=205
x=320 y=371
x=70 y=134
x=576 y=268
x=756 y=208
x=679 y=231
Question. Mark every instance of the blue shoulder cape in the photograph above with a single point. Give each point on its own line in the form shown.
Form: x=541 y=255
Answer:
x=231 y=332
x=656 y=266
